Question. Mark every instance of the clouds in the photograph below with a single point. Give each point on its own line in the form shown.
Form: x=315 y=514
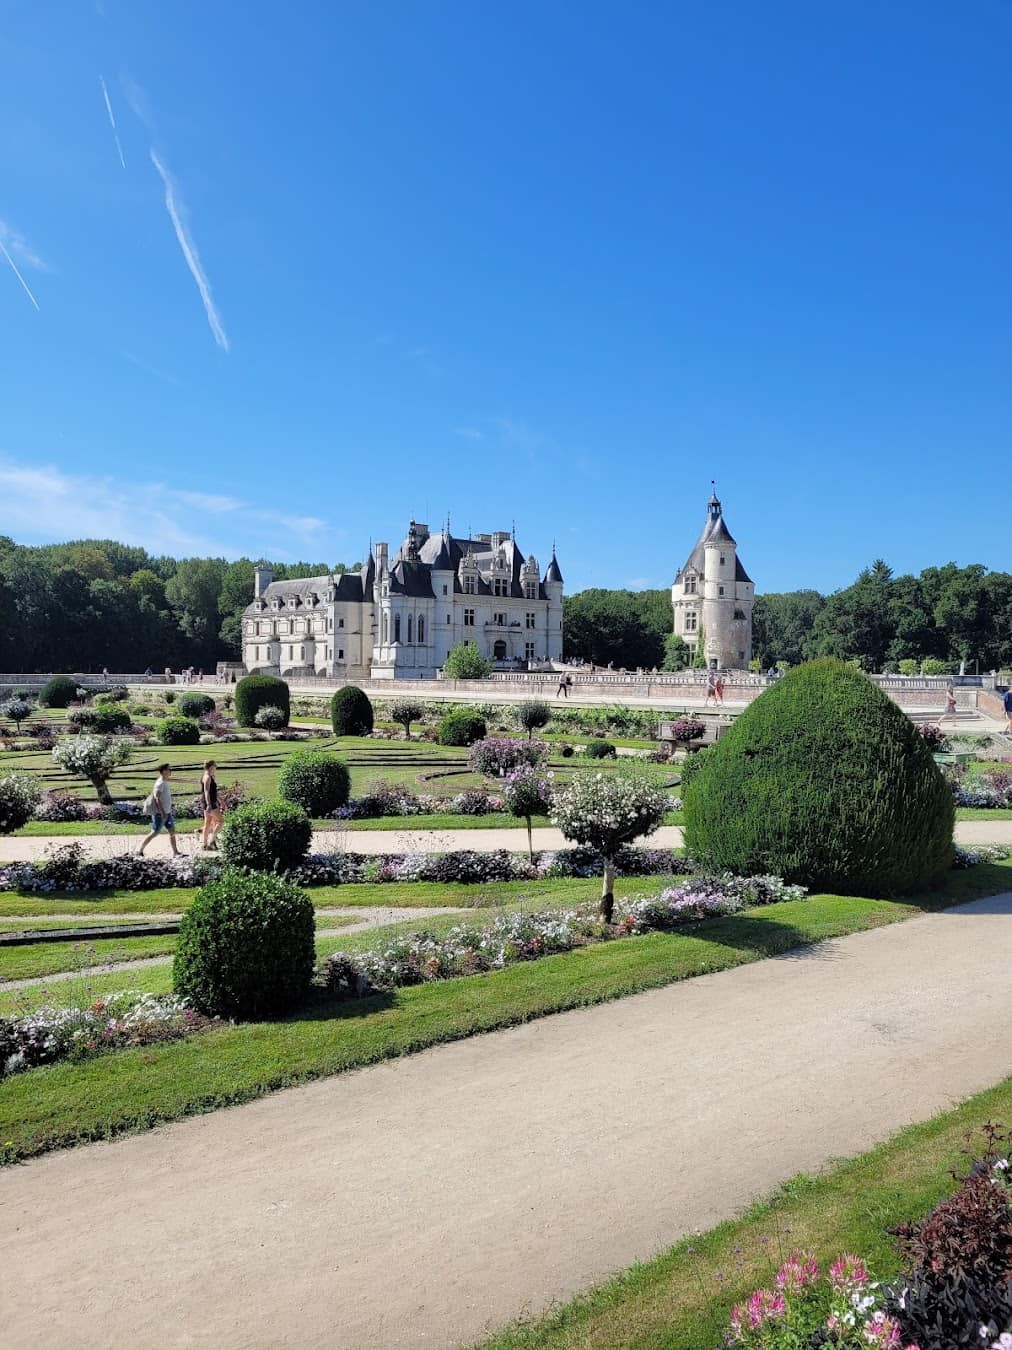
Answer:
x=13 y=245
x=112 y=121
x=177 y=214
x=44 y=504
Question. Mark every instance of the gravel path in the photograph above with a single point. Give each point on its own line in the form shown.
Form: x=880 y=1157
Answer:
x=365 y=917
x=429 y=841
x=424 y=1201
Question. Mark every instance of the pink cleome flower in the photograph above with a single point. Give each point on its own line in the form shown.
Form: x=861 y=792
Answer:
x=848 y=1272
x=762 y=1306
x=800 y=1269
x=883 y=1331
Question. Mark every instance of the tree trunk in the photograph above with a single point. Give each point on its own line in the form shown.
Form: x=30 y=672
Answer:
x=102 y=788
x=607 y=906
x=530 y=839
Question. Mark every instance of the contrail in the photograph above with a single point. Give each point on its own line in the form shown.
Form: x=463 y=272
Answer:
x=112 y=120
x=189 y=248
x=20 y=278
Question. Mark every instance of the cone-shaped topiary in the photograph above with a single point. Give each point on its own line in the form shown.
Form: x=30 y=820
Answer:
x=254 y=692
x=351 y=712
x=824 y=781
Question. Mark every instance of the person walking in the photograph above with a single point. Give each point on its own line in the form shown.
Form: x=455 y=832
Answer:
x=711 y=687
x=1006 y=700
x=950 y=702
x=210 y=806
x=718 y=689
x=563 y=686
x=158 y=805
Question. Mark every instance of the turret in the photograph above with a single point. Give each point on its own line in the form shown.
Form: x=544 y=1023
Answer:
x=263 y=575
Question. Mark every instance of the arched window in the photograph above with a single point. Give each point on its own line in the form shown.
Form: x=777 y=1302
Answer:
x=397 y=628
x=386 y=627
x=421 y=629
x=409 y=627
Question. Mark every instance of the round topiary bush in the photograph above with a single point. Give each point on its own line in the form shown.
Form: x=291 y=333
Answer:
x=824 y=781
x=246 y=946
x=196 y=705
x=82 y=718
x=600 y=750
x=316 y=781
x=460 y=726
x=19 y=796
x=58 y=692
x=254 y=692
x=351 y=712
x=178 y=731
x=109 y=719
x=266 y=836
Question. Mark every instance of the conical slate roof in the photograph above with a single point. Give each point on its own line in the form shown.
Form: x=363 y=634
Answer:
x=554 y=573
x=715 y=531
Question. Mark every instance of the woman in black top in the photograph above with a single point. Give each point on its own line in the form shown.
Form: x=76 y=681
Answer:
x=210 y=806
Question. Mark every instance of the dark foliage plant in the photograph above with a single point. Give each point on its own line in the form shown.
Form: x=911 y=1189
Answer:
x=58 y=692
x=824 y=781
x=460 y=726
x=316 y=781
x=351 y=712
x=109 y=720
x=266 y=836
x=254 y=692
x=195 y=705
x=600 y=750
x=178 y=731
x=246 y=946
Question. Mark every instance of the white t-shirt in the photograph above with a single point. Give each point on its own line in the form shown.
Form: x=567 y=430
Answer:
x=163 y=797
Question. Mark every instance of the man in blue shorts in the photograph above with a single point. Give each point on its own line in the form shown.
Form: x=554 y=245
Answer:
x=1007 y=703
x=159 y=806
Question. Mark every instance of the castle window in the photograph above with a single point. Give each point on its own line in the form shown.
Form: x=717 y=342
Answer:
x=500 y=586
x=468 y=618
x=397 y=628
x=386 y=627
x=531 y=590
x=340 y=623
x=470 y=585
x=722 y=560
x=720 y=590
x=690 y=621
x=529 y=650
x=499 y=619
x=409 y=627
x=690 y=585
x=421 y=630
x=448 y=620
x=444 y=590
x=739 y=614
x=532 y=620
x=340 y=654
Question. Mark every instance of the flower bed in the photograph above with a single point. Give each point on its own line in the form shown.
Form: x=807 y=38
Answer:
x=110 y=1023
x=989 y=789
x=388 y=799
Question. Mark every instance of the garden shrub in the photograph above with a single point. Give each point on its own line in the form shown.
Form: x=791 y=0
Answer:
x=246 y=946
x=824 y=781
x=533 y=714
x=178 y=731
x=19 y=796
x=93 y=757
x=109 y=719
x=692 y=765
x=465 y=662
x=270 y=718
x=16 y=709
x=170 y=696
x=404 y=711
x=254 y=692
x=461 y=726
x=82 y=718
x=600 y=750
x=497 y=755
x=314 y=780
x=196 y=705
x=58 y=692
x=266 y=836
x=351 y=712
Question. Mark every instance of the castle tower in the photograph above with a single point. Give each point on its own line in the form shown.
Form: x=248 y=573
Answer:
x=712 y=596
x=553 y=585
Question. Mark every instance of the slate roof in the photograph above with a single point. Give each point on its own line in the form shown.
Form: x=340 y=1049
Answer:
x=554 y=572
x=715 y=531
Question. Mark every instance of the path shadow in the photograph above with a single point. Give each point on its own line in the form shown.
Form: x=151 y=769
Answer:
x=766 y=937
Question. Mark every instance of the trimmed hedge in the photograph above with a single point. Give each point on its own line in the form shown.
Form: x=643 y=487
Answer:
x=600 y=750
x=195 y=705
x=461 y=727
x=316 y=781
x=178 y=731
x=110 y=719
x=824 y=781
x=266 y=836
x=351 y=712
x=254 y=692
x=58 y=692
x=246 y=946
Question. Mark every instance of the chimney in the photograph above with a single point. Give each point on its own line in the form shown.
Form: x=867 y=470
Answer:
x=499 y=538
x=262 y=578
x=381 y=557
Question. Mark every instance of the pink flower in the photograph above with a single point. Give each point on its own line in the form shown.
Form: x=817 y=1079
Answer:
x=883 y=1331
x=848 y=1272
x=799 y=1270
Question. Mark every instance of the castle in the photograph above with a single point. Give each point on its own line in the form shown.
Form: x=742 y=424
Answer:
x=398 y=618
x=712 y=596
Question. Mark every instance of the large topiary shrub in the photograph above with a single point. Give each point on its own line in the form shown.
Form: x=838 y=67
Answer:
x=824 y=781
x=58 y=692
x=195 y=705
x=316 y=781
x=246 y=946
x=266 y=836
x=178 y=731
x=110 y=720
x=351 y=712
x=460 y=726
x=254 y=692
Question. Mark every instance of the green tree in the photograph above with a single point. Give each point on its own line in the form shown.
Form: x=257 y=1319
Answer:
x=781 y=625
x=465 y=662
x=676 y=653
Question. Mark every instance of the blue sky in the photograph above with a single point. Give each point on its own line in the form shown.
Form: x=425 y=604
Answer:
x=535 y=261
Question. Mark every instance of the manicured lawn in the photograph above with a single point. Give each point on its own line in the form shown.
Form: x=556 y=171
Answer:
x=134 y=1089
x=681 y=1300
x=48 y=958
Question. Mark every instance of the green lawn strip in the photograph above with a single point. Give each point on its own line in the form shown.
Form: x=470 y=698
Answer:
x=681 y=1300
x=981 y=813
x=41 y=925
x=48 y=958
x=135 y=1089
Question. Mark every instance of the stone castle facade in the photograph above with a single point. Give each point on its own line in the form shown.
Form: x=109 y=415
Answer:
x=713 y=596
x=398 y=617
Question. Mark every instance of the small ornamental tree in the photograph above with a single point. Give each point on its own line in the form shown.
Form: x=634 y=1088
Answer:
x=699 y=661
x=606 y=813
x=270 y=718
x=254 y=692
x=465 y=662
x=351 y=712
x=17 y=709
x=528 y=792
x=532 y=715
x=677 y=654
x=58 y=692
x=19 y=796
x=498 y=755
x=404 y=711
x=95 y=758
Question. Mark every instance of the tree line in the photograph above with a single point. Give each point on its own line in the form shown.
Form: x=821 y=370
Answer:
x=92 y=603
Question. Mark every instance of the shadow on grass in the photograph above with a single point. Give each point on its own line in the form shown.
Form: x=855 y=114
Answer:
x=764 y=936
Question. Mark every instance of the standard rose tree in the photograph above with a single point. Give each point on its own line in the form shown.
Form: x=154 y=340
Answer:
x=93 y=757
x=606 y=813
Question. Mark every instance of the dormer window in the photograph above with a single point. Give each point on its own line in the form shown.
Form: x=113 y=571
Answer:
x=531 y=590
x=500 y=586
x=690 y=584
x=470 y=584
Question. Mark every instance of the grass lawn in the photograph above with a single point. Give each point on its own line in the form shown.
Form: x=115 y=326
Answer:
x=134 y=1089
x=677 y=1301
x=49 y=958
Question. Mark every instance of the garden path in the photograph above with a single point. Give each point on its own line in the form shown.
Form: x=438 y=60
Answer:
x=19 y=848
x=365 y=916
x=424 y=1201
